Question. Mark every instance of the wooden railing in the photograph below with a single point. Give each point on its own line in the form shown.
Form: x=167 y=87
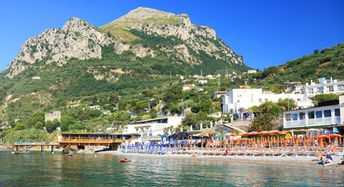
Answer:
x=91 y=141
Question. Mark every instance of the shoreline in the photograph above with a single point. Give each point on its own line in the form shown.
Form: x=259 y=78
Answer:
x=280 y=160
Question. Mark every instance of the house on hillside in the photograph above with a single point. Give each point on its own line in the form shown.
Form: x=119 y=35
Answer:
x=218 y=94
x=56 y=115
x=188 y=87
x=324 y=86
x=237 y=101
x=202 y=81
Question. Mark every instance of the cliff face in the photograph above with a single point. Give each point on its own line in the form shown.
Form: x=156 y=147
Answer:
x=196 y=39
x=184 y=42
x=76 y=39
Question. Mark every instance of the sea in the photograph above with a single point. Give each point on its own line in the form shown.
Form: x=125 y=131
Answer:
x=46 y=169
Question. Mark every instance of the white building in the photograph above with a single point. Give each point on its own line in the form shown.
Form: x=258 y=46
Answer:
x=52 y=116
x=218 y=94
x=239 y=100
x=94 y=107
x=324 y=117
x=202 y=81
x=251 y=71
x=188 y=87
x=153 y=127
x=325 y=86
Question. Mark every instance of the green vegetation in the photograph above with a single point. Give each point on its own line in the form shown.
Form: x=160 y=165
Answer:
x=130 y=89
x=27 y=135
x=323 y=98
x=269 y=113
x=328 y=63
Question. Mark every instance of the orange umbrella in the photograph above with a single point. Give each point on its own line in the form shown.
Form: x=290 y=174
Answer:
x=335 y=136
x=323 y=137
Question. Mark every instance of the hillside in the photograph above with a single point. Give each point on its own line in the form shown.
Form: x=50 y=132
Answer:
x=80 y=65
x=328 y=62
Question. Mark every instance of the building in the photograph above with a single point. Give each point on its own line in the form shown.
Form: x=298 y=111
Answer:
x=53 y=116
x=324 y=86
x=153 y=127
x=188 y=87
x=328 y=117
x=202 y=81
x=239 y=100
x=218 y=94
x=94 y=107
x=251 y=71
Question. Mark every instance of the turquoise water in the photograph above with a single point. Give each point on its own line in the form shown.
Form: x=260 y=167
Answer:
x=104 y=170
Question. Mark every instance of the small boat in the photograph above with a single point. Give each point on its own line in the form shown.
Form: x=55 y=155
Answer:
x=329 y=163
x=124 y=160
x=21 y=152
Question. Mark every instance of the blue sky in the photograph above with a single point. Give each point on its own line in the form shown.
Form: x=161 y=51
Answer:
x=266 y=33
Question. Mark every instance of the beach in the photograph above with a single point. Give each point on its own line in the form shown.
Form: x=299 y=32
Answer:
x=280 y=160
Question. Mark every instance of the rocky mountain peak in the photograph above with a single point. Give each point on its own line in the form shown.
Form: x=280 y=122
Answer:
x=183 y=41
x=76 y=39
x=75 y=23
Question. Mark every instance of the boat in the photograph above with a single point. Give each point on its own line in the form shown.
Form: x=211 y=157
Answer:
x=21 y=152
x=329 y=163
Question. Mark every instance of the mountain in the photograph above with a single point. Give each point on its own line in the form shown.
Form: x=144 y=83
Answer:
x=80 y=63
x=328 y=62
x=144 y=32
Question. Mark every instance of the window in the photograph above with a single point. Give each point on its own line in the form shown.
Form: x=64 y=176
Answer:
x=260 y=100
x=341 y=87
x=320 y=89
x=288 y=117
x=318 y=114
x=337 y=112
x=302 y=115
x=330 y=88
x=311 y=115
x=327 y=113
x=310 y=90
x=294 y=117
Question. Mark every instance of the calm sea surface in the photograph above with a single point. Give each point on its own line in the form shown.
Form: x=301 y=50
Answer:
x=104 y=170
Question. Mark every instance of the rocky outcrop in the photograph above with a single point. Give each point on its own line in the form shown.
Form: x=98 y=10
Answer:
x=81 y=40
x=77 y=39
x=159 y=23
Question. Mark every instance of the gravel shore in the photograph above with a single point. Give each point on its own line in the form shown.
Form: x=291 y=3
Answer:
x=280 y=160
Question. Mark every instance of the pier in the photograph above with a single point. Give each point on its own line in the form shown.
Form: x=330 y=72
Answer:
x=19 y=146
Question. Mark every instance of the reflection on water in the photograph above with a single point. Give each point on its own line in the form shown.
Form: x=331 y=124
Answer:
x=89 y=170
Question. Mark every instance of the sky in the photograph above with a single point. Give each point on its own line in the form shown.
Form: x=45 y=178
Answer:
x=265 y=33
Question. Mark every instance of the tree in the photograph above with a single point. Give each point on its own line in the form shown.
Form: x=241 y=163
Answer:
x=287 y=104
x=51 y=125
x=268 y=117
x=153 y=113
x=190 y=119
x=76 y=126
x=323 y=97
x=67 y=121
x=120 y=118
